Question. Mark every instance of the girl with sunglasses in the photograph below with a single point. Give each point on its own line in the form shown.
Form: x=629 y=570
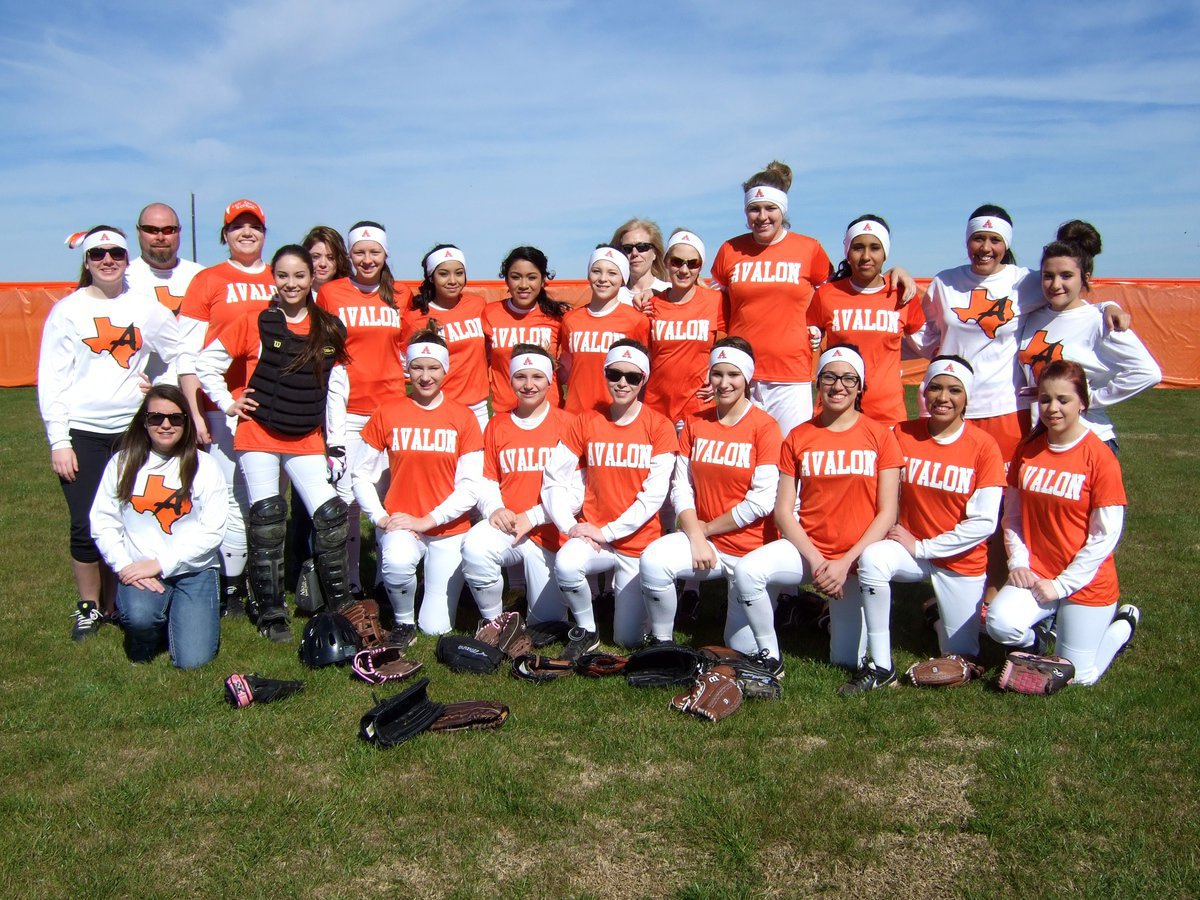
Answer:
x=286 y=351
x=241 y=286
x=528 y=315
x=864 y=307
x=844 y=468
x=684 y=321
x=626 y=455
x=442 y=303
x=158 y=519
x=589 y=331
x=641 y=242
x=726 y=477
x=369 y=304
x=432 y=447
x=96 y=344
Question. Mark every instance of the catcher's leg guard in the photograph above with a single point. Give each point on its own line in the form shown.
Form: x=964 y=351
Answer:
x=268 y=528
x=329 y=551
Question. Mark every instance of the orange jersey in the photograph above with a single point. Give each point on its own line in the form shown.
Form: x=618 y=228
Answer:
x=373 y=342
x=515 y=457
x=616 y=460
x=423 y=448
x=505 y=326
x=462 y=330
x=876 y=322
x=586 y=339
x=767 y=292
x=241 y=340
x=1059 y=490
x=681 y=334
x=837 y=475
x=939 y=479
x=722 y=459
x=220 y=294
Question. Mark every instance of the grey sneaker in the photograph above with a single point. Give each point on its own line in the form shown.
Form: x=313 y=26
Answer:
x=867 y=678
x=402 y=635
x=88 y=620
x=580 y=642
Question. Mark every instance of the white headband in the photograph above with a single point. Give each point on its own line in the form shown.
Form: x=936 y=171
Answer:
x=628 y=354
x=367 y=233
x=844 y=355
x=691 y=240
x=873 y=228
x=739 y=359
x=951 y=368
x=85 y=242
x=543 y=364
x=608 y=254
x=764 y=194
x=427 y=350
x=994 y=224
x=446 y=254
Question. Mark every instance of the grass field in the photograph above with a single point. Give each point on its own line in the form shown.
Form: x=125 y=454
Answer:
x=118 y=780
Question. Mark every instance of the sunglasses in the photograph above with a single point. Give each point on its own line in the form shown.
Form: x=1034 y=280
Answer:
x=641 y=247
x=829 y=379
x=156 y=419
x=678 y=263
x=98 y=253
x=168 y=230
x=633 y=379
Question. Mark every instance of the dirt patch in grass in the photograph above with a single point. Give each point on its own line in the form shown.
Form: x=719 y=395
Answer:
x=926 y=792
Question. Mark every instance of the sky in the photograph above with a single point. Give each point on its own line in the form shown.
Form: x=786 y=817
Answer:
x=491 y=125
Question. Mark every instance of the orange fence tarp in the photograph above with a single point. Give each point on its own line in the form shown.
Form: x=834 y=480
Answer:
x=1166 y=316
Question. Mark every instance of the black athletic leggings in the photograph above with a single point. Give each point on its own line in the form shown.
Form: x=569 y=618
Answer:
x=92 y=453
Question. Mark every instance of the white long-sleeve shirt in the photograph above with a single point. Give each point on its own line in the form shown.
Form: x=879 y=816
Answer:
x=93 y=354
x=184 y=535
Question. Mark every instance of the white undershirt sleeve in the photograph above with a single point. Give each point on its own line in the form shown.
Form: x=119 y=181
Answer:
x=648 y=501
x=760 y=499
x=561 y=474
x=366 y=466
x=978 y=524
x=467 y=475
x=336 y=399
x=683 y=495
x=211 y=365
x=1014 y=535
x=1104 y=531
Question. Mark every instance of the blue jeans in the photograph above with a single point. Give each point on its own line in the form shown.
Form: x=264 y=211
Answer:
x=187 y=614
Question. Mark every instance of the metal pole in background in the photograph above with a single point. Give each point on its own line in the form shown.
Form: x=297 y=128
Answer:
x=193 y=226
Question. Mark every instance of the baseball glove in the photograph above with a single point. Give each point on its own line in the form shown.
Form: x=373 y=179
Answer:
x=380 y=664
x=600 y=665
x=713 y=696
x=468 y=655
x=756 y=682
x=1026 y=673
x=364 y=616
x=541 y=668
x=400 y=718
x=242 y=690
x=471 y=714
x=944 y=671
x=663 y=665
x=507 y=633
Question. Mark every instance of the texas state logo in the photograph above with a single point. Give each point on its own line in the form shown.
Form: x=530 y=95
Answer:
x=167 y=505
x=990 y=315
x=1038 y=354
x=121 y=342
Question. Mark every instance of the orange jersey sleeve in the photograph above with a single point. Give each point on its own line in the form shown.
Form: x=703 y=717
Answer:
x=423 y=448
x=769 y=290
x=515 y=457
x=681 y=334
x=505 y=326
x=722 y=459
x=1059 y=491
x=875 y=321
x=586 y=339
x=462 y=330
x=373 y=343
x=939 y=479
x=616 y=462
x=837 y=474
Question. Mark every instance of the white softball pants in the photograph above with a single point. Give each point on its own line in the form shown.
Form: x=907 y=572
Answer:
x=400 y=552
x=575 y=561
x=1087 y=635
x=233 y=546
x=788 y=403
x=487 y=551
